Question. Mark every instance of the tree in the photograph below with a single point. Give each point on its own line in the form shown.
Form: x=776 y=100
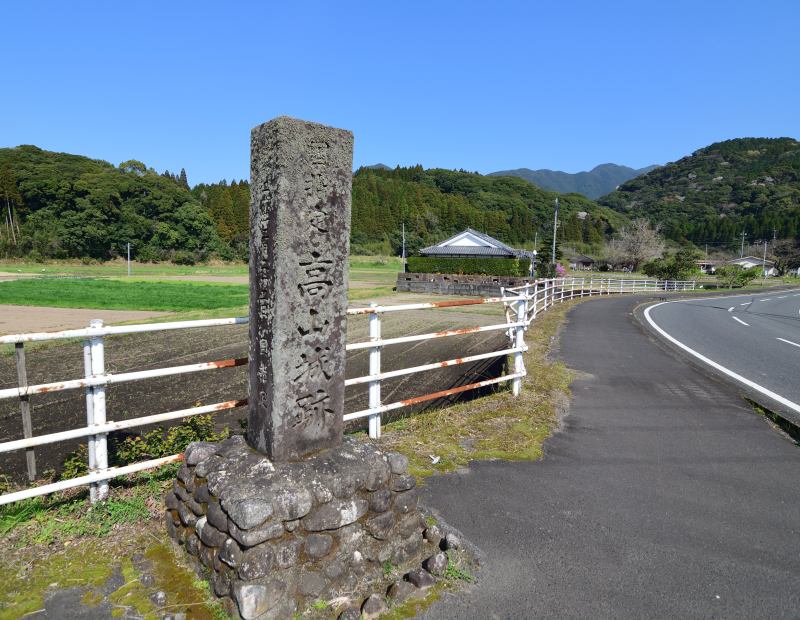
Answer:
x=10 y=196
x=680 y=266
x=133 y=166
x=637 y=243
x=787 y=254
x=183 y=180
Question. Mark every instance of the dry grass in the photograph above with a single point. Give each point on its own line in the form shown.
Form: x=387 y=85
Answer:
x=498 y=426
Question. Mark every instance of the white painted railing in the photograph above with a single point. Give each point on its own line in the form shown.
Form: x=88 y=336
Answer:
x=522 y=305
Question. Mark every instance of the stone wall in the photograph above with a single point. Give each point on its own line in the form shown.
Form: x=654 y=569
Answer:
x=453 y=284
x=274 y=537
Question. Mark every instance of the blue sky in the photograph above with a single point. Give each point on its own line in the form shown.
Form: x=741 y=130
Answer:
x=481 y=86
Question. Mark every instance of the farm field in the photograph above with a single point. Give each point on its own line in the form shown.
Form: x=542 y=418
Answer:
x=159 y=291
x=63 y=410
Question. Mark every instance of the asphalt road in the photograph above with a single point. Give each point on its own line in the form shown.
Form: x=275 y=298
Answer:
x=752 y=339
x=664 y=496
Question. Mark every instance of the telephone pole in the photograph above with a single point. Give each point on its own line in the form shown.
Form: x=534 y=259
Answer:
x=741 y=252
x=555 y=232
x=404 y=247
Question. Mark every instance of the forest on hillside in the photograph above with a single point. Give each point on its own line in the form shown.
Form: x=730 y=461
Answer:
x=749 y=185
x=57 y=205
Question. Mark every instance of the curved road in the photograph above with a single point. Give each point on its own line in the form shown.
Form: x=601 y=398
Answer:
x=753 y=339
x=664 y=496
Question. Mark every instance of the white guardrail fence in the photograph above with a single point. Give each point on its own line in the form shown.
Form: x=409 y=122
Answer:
x=522 y=305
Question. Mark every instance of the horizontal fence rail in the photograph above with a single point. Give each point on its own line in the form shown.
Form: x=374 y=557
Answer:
x=521 y=304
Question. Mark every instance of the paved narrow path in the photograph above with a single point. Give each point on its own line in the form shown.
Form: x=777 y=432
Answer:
x=664 y=496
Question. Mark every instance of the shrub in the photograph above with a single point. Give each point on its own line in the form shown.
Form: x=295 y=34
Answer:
x=734 y=276
x=513 y=267
x=150 y=445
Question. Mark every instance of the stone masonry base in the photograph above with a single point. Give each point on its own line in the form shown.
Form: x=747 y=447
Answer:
x=272 y=538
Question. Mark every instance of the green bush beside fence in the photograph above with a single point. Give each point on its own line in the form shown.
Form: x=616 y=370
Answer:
x=512 y=267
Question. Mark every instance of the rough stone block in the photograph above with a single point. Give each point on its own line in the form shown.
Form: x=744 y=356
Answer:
x=256 y=562
x=402 y=482
x=421 y=578
x=318 y=545
x=436 y=564
x=380 y=501
x=401 y=591
x=287 y=552
x=311 y=583
x=335 y=514
x=255 y=599
x=198 y=451
x=216 y=516
x=406 y=502
x=256 y=536
x=380 y=527
x=249 y=512
x=398 y=463
x=231 y=553
x=374 y=607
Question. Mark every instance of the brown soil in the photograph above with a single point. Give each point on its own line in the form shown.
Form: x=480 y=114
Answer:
x=23 y=319
x=65 y=410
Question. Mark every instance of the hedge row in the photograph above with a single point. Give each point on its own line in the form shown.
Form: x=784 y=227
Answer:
x=513 y=267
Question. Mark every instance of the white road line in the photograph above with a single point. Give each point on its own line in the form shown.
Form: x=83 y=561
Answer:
x=788 y=341
x=782 y=297
x=736 y=318
x=746 y=304
x=767 y=299
x=759 y=388
x=731 y=308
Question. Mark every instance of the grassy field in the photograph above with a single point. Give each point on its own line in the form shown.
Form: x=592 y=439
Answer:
x=122 y=295
x=75 y=285
x=118 y=268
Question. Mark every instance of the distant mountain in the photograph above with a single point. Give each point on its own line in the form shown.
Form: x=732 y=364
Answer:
x=712 y=195
x=599 y=181
x=377 y=167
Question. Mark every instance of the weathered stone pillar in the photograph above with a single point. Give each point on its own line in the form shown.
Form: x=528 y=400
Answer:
x=301 y=178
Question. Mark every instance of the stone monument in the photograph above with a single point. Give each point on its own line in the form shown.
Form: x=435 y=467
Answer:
x=301 y=179
x=294 y=513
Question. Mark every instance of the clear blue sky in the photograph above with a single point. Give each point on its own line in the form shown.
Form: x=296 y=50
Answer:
x=481 y=86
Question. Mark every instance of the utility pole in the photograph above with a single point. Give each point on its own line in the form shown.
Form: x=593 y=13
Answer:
x=774 y=234
x=741 y=252
x=404 y=247
x=555 y=232
x=129 y=259
x=764 y=265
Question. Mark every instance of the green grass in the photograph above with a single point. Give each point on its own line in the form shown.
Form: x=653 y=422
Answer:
x=497 y=426
x=122 y=295
x=99 y=286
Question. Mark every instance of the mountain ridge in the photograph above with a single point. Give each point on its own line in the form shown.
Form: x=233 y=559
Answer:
x=594 y=183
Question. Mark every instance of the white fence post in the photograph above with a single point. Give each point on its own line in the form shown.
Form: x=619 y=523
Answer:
x=519 y=342
x=87 y=371
x=535 y=297
x=374 y=369
x=99 y=408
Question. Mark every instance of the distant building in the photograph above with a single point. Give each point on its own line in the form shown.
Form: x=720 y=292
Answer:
x=708 y=265
x=474 y=244
x=747 y=262
x=581 y=262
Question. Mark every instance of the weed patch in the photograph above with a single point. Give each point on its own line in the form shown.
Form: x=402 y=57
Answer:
x=497 y=426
